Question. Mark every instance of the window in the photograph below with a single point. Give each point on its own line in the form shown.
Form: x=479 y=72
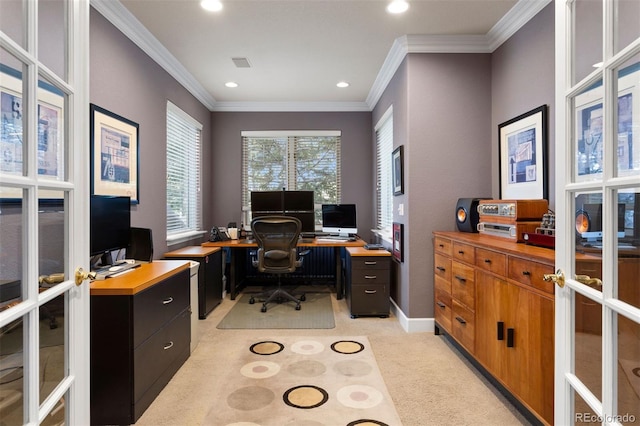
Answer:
x=300 y=160
x=184 y=136
x=384 y=147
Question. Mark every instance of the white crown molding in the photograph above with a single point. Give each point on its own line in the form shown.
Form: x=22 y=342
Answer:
x=519 y=15
x=513 y=20
x=291 y=107
x=123 y=20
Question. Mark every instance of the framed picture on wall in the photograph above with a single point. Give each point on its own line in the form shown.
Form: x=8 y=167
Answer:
x=114 y=155
x=523 y=168
x=398 y=237
x=396 y=170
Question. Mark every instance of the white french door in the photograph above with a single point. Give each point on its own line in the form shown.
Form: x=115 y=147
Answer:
x=597 y=331
x=44 y=193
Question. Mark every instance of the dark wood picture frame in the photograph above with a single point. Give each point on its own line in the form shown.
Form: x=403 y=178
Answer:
x=398 y=242
x=397 y=178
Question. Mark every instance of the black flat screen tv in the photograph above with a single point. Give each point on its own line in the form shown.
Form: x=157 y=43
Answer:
x=110 y=223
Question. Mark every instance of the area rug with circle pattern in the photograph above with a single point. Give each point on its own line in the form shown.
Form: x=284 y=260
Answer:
x=302 y=381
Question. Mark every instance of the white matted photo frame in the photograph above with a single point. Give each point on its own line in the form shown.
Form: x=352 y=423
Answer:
x=397 y=163
x=522 y=154
x=114 y=155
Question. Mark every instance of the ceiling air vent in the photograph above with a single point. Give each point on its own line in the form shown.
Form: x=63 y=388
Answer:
x=241 y=62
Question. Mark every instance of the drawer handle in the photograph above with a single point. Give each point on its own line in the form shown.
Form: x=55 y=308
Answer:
x=487 y=261
x=370 y=262
x=440 y=268
x=169 y=346
x=500 y=330
x=370 y=277
x=461 y=320
x=167 y=301
x=460 y=251
x=370 y=291
x=441 y=245
x=461 y=279
x=510 y=337
x=526 y=273
x=442 y=305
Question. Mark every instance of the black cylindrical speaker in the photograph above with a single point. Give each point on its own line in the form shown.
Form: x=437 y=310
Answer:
x=467 y=216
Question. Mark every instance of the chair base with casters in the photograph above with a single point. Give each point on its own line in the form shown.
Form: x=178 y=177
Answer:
x=278 y=295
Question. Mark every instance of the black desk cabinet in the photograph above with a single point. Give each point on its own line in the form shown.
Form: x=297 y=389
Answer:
x=138 y=340
x=209 y=275
x=368 y=277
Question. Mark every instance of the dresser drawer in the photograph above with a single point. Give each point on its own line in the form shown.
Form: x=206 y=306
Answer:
x=463 y=286
x=491 y=261
x=463 y=252
x=369 y=300
x=158 y=352
x=442 y=267
x=442 y=285
x=443 y=309
x=530 y=273
x=463 y=326
x=159 y=304
x=370 y=276
x=442 y=245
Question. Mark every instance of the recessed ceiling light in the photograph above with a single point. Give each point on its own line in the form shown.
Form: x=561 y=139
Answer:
x=397 y=6
x=343 y=84
x=211 y=5
x=231 y=84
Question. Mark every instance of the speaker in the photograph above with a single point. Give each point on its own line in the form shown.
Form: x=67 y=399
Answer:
x=140 y=245
x=467 y=216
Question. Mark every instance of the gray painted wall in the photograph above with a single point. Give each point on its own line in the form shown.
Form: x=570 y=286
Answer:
x=124 y=80
x=356 y=157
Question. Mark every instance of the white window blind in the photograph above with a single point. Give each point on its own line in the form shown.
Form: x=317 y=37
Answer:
x=183 y=173
x=384 y=147
x=296 y=160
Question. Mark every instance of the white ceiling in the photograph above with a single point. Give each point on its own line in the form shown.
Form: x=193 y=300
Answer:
x=300 y=49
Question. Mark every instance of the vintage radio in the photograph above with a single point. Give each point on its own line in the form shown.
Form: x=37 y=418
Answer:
x=511 y=211
x=514 y=231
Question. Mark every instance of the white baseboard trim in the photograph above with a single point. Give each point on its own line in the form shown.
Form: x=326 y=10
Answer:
x=412 y=325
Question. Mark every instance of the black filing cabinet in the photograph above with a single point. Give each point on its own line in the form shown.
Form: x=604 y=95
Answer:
x=209 y=275
x=368 y=278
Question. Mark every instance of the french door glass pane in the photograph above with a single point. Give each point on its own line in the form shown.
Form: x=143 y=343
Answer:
x=628 y=370
x=51 y=122
x=12 y=20
x=12 y=372
x=12 y=124
x=628 y=17
x=588 y=343
x=52 y=37
x=627 y=160
x=57 y=416
x=588 y=37
x=583 y=414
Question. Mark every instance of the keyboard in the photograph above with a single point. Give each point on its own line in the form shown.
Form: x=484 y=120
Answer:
x=330 y=238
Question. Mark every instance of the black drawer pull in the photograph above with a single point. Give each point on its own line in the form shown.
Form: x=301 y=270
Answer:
x=370 y=262
x=168 y=346
x=500 y=330
x=370 y=291
x=167 y=301
x=370 y=277
x=460 y=251
x=442 y=305
x=461 y=279
x=441 y=245
x=526 y=273
x=461 y=320
x=440 y=268
x=487 y=261
x=510 y=336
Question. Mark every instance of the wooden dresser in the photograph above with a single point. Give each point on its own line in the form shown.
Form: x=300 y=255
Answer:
x=490 y=297
x=140 y=335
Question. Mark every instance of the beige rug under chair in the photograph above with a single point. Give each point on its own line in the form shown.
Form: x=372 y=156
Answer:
x=302 y=381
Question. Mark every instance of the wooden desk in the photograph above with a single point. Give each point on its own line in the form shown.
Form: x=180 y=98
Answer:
x=235 y=245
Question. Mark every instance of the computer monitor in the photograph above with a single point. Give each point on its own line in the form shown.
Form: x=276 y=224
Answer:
x=298 y=201
x=339 y=219
x=266 y=201
x=110 y=224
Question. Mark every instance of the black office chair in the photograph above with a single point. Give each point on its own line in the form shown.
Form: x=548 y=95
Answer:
x=277 y=238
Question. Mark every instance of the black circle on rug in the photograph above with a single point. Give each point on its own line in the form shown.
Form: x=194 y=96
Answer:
x=267 y=347
x=367 y=422
x=347 y=347
x=305 y=397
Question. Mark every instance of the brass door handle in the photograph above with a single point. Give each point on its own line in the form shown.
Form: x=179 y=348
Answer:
x=587 y=280
x=557 y=278
x=82 y=275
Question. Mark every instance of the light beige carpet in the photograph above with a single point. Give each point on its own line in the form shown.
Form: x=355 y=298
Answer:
x=284 y=380
x=315 y=312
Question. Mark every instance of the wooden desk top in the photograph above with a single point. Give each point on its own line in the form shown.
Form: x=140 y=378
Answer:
x=192 y=251
x=314 y=243
x=361 y=251
x=141 y=278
